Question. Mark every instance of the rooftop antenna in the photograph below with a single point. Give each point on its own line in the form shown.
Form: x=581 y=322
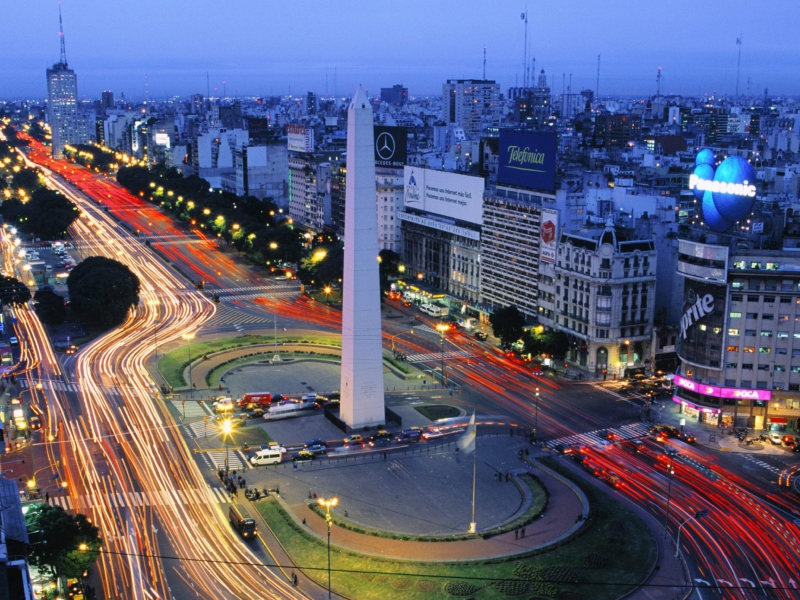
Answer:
x=524 y=17
x=658 y=83
x=484 y=63
x=597 y=87
x=61 y=37
x=208 y=89
x=738 y=62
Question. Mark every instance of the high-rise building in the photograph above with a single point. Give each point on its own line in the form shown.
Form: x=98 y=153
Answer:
x=471 y=104
x=107 y=101
x=311 y=103
x=62 y=105
x=397 y=94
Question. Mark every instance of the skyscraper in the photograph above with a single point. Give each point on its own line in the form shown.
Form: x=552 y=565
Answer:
x=62 y=102
x=471 y=104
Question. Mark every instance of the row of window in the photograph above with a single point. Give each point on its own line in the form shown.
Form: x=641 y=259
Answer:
x=765 y=316
x=764 y=350
x=781 y=335
x=749 y=366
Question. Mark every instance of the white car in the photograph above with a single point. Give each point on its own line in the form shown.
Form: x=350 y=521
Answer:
x=775 y=438
x=13 y=341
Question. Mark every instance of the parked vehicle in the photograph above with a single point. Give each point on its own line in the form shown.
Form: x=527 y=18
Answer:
x=262 y=399
x=354 y=440
x=266 y=456
x=409 y=435
x=289 y=410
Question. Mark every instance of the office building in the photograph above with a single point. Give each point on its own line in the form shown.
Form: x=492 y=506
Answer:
x=397 y=95
x=471 y=104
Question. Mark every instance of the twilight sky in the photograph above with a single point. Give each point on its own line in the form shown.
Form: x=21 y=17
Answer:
x=266 y=47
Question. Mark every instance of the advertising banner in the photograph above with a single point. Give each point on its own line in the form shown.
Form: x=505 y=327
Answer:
x=391 y=146
x=527 y=159
x=447 y=194
x=548 y=231
x=702 y=323
x=299 y=138
x=722 y=392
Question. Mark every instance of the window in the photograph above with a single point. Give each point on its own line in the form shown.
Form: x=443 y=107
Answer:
x=795 y=352
x=767 y=317
x=752 y=298
x=753 y=285
x=736 y=297
x=752 y=315
x=764 y=350
x=747 y=366
x=755 y=265
x=733 y=348
x=763 y=367
x=782 y=335
x=749 y=349
x=780 y=351
x=735 y=315
x=786 y=300
x=795 y=370
x=733 y=332
x=784 y=318
x=769 y=299
x=766 y=334
x=737 y=284
x=749 y=331
x=772 y=266
x=731 y=365
x=780 y=368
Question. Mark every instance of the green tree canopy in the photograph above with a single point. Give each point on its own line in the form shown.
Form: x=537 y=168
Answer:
x=102 y=290
x=322 y=265
x=507 y=324
x=547 y=341
x=13 y=291
x=61 y=543
x=48 y=214
x=49 y=306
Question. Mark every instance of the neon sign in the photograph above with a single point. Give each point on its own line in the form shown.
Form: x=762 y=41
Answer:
x=722 y=392
x=727 y=192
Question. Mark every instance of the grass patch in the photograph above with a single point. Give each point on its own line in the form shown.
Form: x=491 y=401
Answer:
x=438 y=411
x=213 y=377
x=400 y=366
x=533 y=487
x=579 y=568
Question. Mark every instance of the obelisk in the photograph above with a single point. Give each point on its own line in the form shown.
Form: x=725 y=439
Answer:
x=362 y=402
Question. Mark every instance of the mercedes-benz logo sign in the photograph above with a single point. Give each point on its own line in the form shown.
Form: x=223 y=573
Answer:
x=385 y=146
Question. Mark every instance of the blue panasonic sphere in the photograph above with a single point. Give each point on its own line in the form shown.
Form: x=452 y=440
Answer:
x=727 y=193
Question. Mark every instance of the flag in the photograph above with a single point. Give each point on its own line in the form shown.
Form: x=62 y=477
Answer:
x=467 y=441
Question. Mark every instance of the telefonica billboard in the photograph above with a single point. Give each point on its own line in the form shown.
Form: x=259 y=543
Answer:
x=727 y=191
x=447 y=194
x=527 y=160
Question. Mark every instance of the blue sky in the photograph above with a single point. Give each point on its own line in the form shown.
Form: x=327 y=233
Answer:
x=265 y=47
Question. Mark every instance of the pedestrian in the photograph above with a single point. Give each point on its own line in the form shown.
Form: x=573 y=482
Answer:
x=527 y=452
x=304 y=520
x=47 y=497
x=516 y=534
x=244 y=483
x=523 y=532
x=384 y=456
x=506 y=476
x=294 y=580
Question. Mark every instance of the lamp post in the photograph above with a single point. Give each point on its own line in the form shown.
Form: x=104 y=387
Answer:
x=327 y=503
x=441 y=328
x=327 y=291
x=536 y=415
x=697 y=515
x=396 y=335
x=189 y=337
x=227 y=427
x=672 y=453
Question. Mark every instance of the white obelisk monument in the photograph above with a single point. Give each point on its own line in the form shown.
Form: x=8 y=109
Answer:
x=361 y=403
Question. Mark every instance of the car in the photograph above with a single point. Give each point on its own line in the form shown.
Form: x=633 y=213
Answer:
x=432 y=432
x=256 y=413
x=382 y=434
x=481 y=336
x=380 y=442
x=16 y=400
x=609 y=435
x=774 y=438
x=303 y=455
x=273 y=445
x=35 y=423
x=407 y=303
x=789 y=440
x=654 y=429
x=72 y=349
x=316 y=442
x=317 y=449
x=354 y=440
x=409 y=435
x=687 y=437
x=13 y=340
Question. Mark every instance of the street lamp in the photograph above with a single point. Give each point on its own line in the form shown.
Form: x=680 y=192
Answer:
x=227 y=427
x=536 y=416
x=189 y=337
x=441 y=328
x=398 y=335
x=327 y=503
x=327 y=291
x=697 y=515
x=672 y=453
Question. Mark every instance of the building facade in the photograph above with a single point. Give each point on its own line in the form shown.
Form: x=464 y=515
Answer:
x=66 y=126
x=471 y=104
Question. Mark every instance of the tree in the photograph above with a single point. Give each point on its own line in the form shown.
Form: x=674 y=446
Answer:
x=102 y=290
x=13 y=291
x=48 y=214
x=547 y=341
x=322 y=265
x=50 y=306
x=507 y=324
x=64 y=544
x=390 y=262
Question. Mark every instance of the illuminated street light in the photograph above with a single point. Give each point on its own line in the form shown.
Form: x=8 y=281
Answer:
x=327 y=503
x=227 y=427
x=441 y=328
x=697 y=515
x=398 y=335
x=672 y=453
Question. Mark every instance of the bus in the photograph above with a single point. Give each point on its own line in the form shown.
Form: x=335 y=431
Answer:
x=289 y=410
x=242 y=521
x=431 y=309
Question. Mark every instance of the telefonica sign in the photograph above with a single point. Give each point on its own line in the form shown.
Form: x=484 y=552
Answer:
x=727 y=191
x=527 y=160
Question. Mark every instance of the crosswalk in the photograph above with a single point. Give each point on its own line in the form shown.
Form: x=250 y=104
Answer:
x=263 y=290
x=216 y=459
x=226 y=315
x=191 y=410
x=267 y=293
x=595 y=439
x=204 y=429
x=213 y=495
x=433 y=356
x=61 y=386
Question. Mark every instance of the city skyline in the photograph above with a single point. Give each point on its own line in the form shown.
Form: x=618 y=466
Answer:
x=158 y=50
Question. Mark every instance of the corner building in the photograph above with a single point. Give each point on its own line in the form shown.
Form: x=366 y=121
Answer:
x=739 y=340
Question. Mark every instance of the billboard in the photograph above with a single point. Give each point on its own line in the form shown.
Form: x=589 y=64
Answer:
x=527 y=160
x=299 y=138
x=448 y=194
x=548 y=230
x=727 y=191
x=702 y=323
x=391 y=146
x=722 y=392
